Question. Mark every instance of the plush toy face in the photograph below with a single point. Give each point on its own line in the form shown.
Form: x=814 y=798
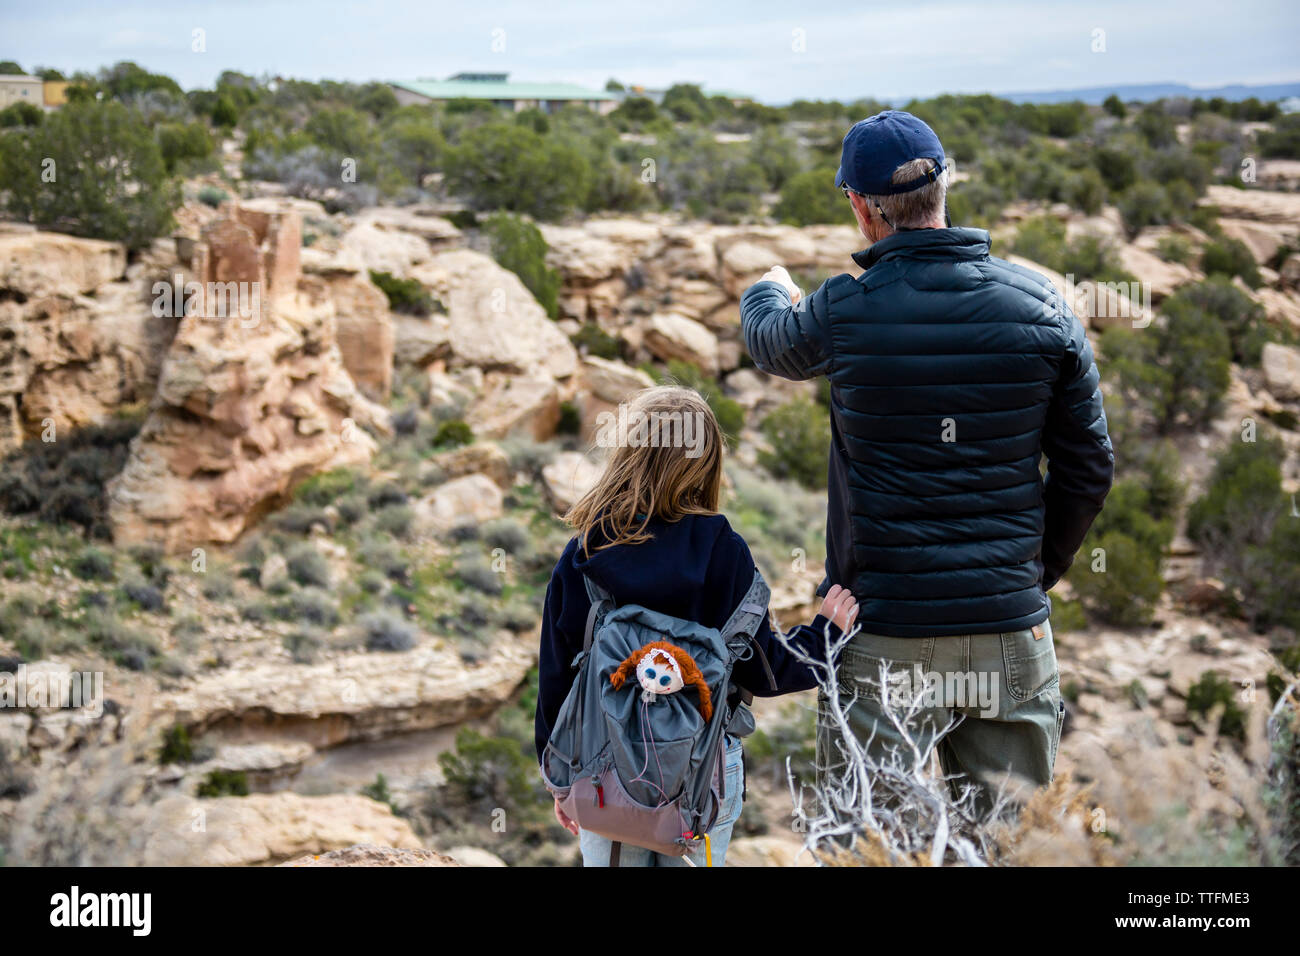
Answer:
x=658 y=673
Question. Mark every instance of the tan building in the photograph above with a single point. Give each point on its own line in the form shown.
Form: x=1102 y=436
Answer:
x=56 y=93
x=15 y=88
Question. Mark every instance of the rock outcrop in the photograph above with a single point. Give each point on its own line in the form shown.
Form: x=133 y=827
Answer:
x=49 y=263
x=249 y=401
x=493 y=320
x=356 y=696
x=266 y=828
x=367 y=854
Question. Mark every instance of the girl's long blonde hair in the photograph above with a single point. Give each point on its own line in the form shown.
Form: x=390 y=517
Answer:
x=651 y=474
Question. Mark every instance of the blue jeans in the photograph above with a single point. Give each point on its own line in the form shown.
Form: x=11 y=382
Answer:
x=595 y=848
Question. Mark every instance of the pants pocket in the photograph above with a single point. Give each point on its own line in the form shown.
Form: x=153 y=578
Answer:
x=1029 y=661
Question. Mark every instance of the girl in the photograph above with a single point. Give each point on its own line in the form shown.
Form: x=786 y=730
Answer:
x=649 y=532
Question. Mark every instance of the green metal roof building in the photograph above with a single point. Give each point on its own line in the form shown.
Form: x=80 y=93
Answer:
x=497 y=88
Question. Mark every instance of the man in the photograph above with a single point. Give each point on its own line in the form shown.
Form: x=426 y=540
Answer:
x=951 y=373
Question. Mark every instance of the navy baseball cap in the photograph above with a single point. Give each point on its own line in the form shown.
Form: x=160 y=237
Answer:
x=876 y=146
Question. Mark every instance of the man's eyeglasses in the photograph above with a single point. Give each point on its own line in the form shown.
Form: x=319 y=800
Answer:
x=847 y=192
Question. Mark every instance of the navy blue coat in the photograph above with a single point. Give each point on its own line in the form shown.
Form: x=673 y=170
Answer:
x=696 y=569
x=952 y=373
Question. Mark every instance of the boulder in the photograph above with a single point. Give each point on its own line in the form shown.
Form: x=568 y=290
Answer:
x=671 y=336
x=523 y=406
x=421 y=221
x=367 y=854
x=570 y=476
x=419 y=340
x=1161 y=277
x=364 y=331
x=611 y=381
x=743 y=263
x=602 y=385
x=1289 y=274
x=353 y=696
x=274 y=572
x=1260 y=205
x=266 y=828
x=1281 y=364
x=474 y=856
x=482 y=457
x=384 y=250
x=469 y=500
x=49 y=263
x=493 y=320
x=1263 y=239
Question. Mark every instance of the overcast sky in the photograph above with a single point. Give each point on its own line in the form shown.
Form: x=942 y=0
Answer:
x=774 y=51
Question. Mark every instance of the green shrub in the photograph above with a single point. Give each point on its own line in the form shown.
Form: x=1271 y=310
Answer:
x=396 y=520
x=93 y=564
x=303 y=645
x=324 y=488
x=1121 y=584
x=1126 y=592
x=1175 y=248
x=473 y=571
x=384 y=557
x=503 y=166
x=810 y=197
x=384 y=631
x=490 y=771
x=1176 y=370
x=1242 y=317
x=518 y=245
x=213 y=196
x=1212 y=692
x=21 y=114
x=570 y=422
x=112 y=182
x=62 y=482
x=144 y=595
x=406 y=296
x=124 y=645
x=176 y=746
x=799 y=436
x=311 y=605
x=591 y=339
x=452 y=434
x=224 y=783
x=307 y=566
x=1231 y=257
x=1244 y=526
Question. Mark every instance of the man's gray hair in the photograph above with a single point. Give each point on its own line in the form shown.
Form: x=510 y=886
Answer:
x=919 y=208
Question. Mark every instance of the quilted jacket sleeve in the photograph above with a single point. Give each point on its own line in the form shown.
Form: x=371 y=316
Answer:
x=783 y=339
x=1080 y=462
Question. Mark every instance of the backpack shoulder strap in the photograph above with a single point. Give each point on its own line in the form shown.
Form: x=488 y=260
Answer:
x=745 y=621
x=749 y=614
x=600 y=600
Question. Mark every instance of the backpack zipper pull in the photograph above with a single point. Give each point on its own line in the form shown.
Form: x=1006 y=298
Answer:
x=600 y=793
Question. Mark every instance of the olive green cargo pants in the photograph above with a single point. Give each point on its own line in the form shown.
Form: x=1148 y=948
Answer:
x=1006 y=686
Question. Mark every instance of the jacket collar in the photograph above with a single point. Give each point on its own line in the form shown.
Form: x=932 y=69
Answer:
x=958 y=243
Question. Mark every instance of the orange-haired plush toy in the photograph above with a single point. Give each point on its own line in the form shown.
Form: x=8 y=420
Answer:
x=663 y=668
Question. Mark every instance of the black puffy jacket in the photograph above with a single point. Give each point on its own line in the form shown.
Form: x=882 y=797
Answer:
x=952 y=373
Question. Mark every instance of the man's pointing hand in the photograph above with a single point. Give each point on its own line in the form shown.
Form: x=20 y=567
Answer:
x=778 y=275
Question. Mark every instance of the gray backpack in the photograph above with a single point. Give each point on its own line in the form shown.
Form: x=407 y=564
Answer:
x=649 y=774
